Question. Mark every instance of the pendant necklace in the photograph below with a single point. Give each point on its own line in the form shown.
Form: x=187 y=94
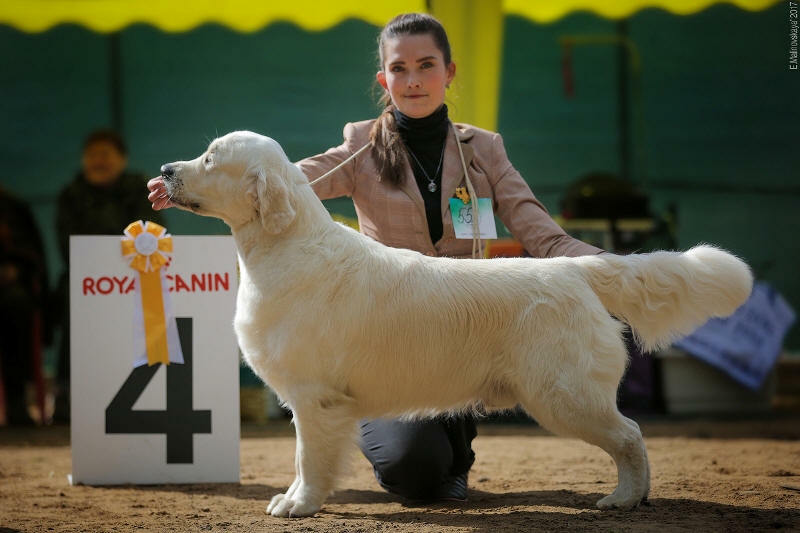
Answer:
x=431 y=182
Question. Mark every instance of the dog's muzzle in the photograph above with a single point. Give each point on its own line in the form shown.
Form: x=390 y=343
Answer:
x=174 y=186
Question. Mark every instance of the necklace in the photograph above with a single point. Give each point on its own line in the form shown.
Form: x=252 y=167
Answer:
x=431 y=181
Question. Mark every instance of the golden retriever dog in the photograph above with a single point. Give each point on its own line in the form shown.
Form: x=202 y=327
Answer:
x=344 y=328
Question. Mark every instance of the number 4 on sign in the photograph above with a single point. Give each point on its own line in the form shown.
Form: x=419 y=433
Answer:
x=178 y=422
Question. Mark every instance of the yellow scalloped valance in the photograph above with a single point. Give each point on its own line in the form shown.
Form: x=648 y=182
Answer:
x=179 y=15
x=251 y=15
x=544 y=12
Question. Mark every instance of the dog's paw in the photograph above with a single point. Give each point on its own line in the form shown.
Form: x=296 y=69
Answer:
x=274 y=502
x=618 y=501
x=282 y=506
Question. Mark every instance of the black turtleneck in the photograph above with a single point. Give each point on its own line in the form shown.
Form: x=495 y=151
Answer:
x=425 y=137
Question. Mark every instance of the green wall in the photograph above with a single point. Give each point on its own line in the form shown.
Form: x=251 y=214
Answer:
x=717 y=136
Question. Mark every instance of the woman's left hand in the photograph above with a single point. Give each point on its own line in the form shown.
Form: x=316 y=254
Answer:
x=158 y=194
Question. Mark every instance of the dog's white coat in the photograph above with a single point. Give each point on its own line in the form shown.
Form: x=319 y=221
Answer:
x=344 y=328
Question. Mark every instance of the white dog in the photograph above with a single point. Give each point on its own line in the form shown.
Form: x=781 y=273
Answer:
x=343 y=327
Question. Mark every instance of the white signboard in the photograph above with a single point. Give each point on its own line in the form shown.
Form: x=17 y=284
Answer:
x=154 y=424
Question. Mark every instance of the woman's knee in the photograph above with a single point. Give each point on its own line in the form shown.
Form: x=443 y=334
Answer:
x=416 y=473
x=410 y=459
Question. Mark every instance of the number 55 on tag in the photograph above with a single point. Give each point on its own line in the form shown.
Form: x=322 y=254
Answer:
x=462 y=214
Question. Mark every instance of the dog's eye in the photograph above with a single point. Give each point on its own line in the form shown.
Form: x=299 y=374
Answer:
x=207 y=160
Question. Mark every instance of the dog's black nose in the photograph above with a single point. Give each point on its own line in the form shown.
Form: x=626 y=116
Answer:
x=167 y=171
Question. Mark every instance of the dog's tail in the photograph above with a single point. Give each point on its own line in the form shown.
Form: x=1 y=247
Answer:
x=666 y=295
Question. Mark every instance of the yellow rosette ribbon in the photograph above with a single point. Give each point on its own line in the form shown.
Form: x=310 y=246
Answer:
x=147 y=247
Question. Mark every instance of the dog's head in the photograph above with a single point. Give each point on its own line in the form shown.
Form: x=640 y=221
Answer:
x=240 y=177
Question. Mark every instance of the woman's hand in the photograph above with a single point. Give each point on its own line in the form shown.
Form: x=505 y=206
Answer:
x=158 y=194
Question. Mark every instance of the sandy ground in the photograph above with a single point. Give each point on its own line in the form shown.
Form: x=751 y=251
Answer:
x=707 y=476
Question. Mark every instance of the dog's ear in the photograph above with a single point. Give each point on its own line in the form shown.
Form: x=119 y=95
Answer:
x=272 y=201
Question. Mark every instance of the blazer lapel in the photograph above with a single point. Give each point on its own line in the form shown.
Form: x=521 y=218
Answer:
x=409 y=186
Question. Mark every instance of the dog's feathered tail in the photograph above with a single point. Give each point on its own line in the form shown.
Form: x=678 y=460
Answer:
x=666 y=295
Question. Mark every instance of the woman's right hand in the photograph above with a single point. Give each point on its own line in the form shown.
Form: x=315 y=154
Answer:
x=158 y=194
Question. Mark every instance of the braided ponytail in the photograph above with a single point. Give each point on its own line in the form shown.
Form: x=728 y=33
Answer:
x=388 y=150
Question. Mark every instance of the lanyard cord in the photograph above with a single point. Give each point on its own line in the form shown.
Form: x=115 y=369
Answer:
x=340 y=165
x=476 y=236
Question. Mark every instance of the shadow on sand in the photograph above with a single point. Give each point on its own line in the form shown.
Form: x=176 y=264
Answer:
x=555 y=510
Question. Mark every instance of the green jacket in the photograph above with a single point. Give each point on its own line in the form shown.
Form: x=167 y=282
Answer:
x=85 y=209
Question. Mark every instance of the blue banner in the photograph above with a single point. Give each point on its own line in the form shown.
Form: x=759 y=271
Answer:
x=746 y=344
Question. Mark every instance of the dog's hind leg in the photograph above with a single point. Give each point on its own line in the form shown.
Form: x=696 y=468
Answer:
x=325 y=428
x=625 y=445
x=605 y=427
x=577 y=398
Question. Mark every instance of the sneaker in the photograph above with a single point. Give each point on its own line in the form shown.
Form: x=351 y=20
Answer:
x=454 y=489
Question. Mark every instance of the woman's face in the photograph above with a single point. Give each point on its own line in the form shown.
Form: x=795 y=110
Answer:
x=415 y=74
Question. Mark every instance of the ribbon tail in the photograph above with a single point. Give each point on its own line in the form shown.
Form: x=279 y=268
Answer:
x=139 y=347
x=155 y=330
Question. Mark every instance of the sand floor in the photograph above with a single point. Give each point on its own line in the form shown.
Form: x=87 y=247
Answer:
x=706 y=476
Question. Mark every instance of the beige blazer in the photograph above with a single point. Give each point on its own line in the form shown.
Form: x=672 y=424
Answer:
x=395 y=215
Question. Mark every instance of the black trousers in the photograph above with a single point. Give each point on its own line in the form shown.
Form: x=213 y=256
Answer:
x=413 y=459
x=16 y=349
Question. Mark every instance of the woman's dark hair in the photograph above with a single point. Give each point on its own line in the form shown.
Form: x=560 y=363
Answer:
x=387 y=147
x=106 y=135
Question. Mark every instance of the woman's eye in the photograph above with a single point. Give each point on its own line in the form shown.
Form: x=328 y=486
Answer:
x=397 y=68
x=427 y=64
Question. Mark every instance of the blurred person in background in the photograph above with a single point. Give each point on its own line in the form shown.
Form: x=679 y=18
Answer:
x=102 y=199
x=23 y=292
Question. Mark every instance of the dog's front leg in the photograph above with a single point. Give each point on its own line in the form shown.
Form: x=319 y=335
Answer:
x=323 y=432
x=292 y=488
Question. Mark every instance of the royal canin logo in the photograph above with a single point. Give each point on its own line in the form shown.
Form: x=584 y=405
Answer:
x=200 y=282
